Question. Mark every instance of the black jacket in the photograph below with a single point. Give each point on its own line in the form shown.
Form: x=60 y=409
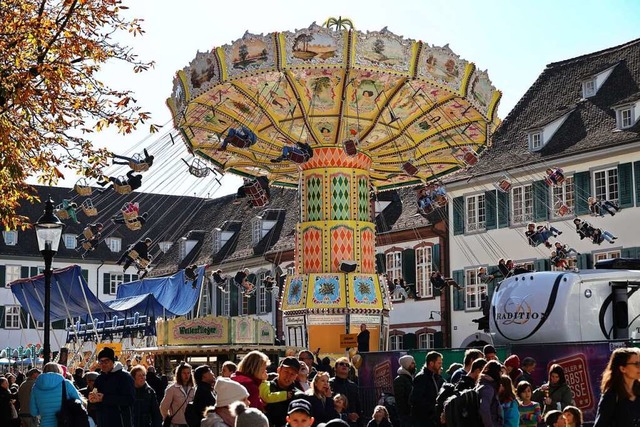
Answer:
x=614 y=412
x=423 y=397
x=402 y=386
x=5 y=407
x=115 y=410
x=203 y=398
x=146 y=410
x=349 y=389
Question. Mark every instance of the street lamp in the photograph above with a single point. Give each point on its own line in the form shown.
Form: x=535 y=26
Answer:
x=49 y=231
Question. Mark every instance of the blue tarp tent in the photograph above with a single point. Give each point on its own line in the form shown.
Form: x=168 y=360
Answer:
x=71 y=297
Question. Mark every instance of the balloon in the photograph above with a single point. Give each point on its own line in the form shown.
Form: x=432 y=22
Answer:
x=353 y=351
x=356 y=361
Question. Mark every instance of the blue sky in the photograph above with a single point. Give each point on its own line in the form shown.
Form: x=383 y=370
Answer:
x=513 y=40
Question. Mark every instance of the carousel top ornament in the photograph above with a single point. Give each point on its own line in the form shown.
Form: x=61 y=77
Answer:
x=418 y=111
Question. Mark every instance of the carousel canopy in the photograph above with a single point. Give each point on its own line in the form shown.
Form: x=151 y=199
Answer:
x=400 y=100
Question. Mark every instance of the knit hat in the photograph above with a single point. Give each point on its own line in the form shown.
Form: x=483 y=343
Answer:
x=405 y=361
x=512 y=361
x=334 y=423
x=91 y=376
x=249 y=417
x=200 y=371
x=228 y=391
x=108 y=353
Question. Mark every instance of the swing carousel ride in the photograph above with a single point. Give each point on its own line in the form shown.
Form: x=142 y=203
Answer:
x=379 y=112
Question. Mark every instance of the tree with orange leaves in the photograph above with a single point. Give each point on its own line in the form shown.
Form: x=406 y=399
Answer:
x=50 y=95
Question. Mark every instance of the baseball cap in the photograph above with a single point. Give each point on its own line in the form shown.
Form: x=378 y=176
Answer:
x=299 y=405
x=290 y=362
x=334 y=423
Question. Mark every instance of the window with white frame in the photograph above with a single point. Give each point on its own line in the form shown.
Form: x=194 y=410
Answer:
x=522 y=206
x=396 y=342
x=10 y=237
x=394 y=265
x=12 y=317
x=295 y=336
x=476 y=214
x=12 y=272
x=116 y=279
x=259 y=228
x=625 y=117
x=114 y=243
x=182 y=248
x=563 y=198
x=473 y=288
x=225 y=301
x=589 y=88
x=599 y=256
x=535 y=141
x=165 y=246
x=291 y=270
x=423 y=271
x=571 y=263
x=606 y=184
x=263 y=294
x=205 y=300
x=244 y=306
x=426 y=340
x=69 y=240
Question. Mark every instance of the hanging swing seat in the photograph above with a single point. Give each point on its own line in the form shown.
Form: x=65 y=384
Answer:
x=257 y=195
x=197 y=168
x=138 y=164
x=82 y=187
x=556 y=177
x=351 y=147
x=61 y=212
x=130 y=216
x=87 y=233
x=470 y=158
x=141 y=263
x=88 y=208
x=297 y=157
x=87 y=246
x=409 y=169
x=122 y=189
x=133 y=224
x=503 y=185
x=563 y=210
x=241 y=138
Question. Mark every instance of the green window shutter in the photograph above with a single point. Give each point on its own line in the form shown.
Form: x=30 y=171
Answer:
x=492 y=283
x=630 y=252
x=584 y=261
x=409 y=266
x=253 y=299
x=85 y=274
x=381 y=266
x=24 y=318
x=458 y=294
x=1 y=316
x=458 y=215
x=582 y=183
x=33 y=271
x=625 y=185
x=234 y=292
x=636 y=173
x=438 y=340
x=409 y=341
x=3 y=276
x=436 y=257
x=542 y=264
x=491 y=213
x=24 y=272
x=503 y=209
x=540 y=201
x=106 y=283
x=59 y=324
x=219 y=296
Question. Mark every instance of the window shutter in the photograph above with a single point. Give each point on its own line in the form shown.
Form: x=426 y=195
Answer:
x=234 y=292
x=33 y=271
x=492 y=283
x=458 y=215
x=438 y=340
x=59 y=324
x=542 y=264
x=381 y=267
x=106 y=282
x=269 y=305
x=3 y=276
x=636 y=173
x=584 y=261
x=625 y=185
x=630 y=252
x=435 y=257
x=24 y=272
x=253 y=299
x=503 y=209
x=491 y=213
x=24 y=318
x=540 y=201
x=85 y=274
x=409 y=341
x=409 y=266
x=2 y=316
x=458 y=294
x=582 y=182
x=219 y=297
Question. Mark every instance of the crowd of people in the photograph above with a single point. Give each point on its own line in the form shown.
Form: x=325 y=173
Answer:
x=306 y=391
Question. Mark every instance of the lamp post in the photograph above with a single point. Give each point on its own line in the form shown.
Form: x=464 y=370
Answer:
x=48 y=231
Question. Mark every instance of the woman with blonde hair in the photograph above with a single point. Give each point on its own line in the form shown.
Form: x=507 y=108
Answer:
x=252 y=371
x=178 y=395
x=620 y=399
x=46 y=395
x=319 y=396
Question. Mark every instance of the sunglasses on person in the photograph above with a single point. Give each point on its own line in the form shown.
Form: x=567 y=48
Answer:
x=342 y=364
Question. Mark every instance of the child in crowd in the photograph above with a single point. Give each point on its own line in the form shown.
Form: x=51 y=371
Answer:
x=249 y=417
x=554 y=419
x=530 y=412
x=507 y=397
x=572 y=416
x=380 y=417
x=299 y=414
x=341 y=403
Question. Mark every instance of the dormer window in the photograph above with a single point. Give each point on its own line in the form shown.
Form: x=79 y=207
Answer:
x=185 y=246
x=535 y=141
x=165 y=246
x=625 y=117
x=10 y=237
x=589 y=88
x=221 y=235
x=260 y=227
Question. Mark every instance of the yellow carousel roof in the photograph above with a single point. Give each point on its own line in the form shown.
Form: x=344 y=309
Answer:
x=401 y=100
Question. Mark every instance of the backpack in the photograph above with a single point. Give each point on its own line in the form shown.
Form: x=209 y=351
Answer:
x=191 y=415
x=463 y=409
x=446 y=391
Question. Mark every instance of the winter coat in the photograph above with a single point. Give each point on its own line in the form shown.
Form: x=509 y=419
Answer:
x=559 y=393
x=321 y=411
x=511 y=414
x=6 y=411
x=146 y=411
x=174 y=402
x=116 y=408
x=402 y=386
x=383 y=423
x=426 y=386
x=46 y=397
x=24 y=395
x=490 y=409
x=350 y=389
x=614 y=412
x=252 y=385
x=203 y=397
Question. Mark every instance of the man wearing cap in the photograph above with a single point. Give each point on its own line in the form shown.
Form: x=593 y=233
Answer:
x=24 y=397
x=90 y=380
x=343 y=385
x=203 y=397
x=402 y=386
x=287 y=375
x=115 y=392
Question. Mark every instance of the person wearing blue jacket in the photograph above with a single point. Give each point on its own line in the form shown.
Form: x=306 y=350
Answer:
x=116 y=393
x=46 y=396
